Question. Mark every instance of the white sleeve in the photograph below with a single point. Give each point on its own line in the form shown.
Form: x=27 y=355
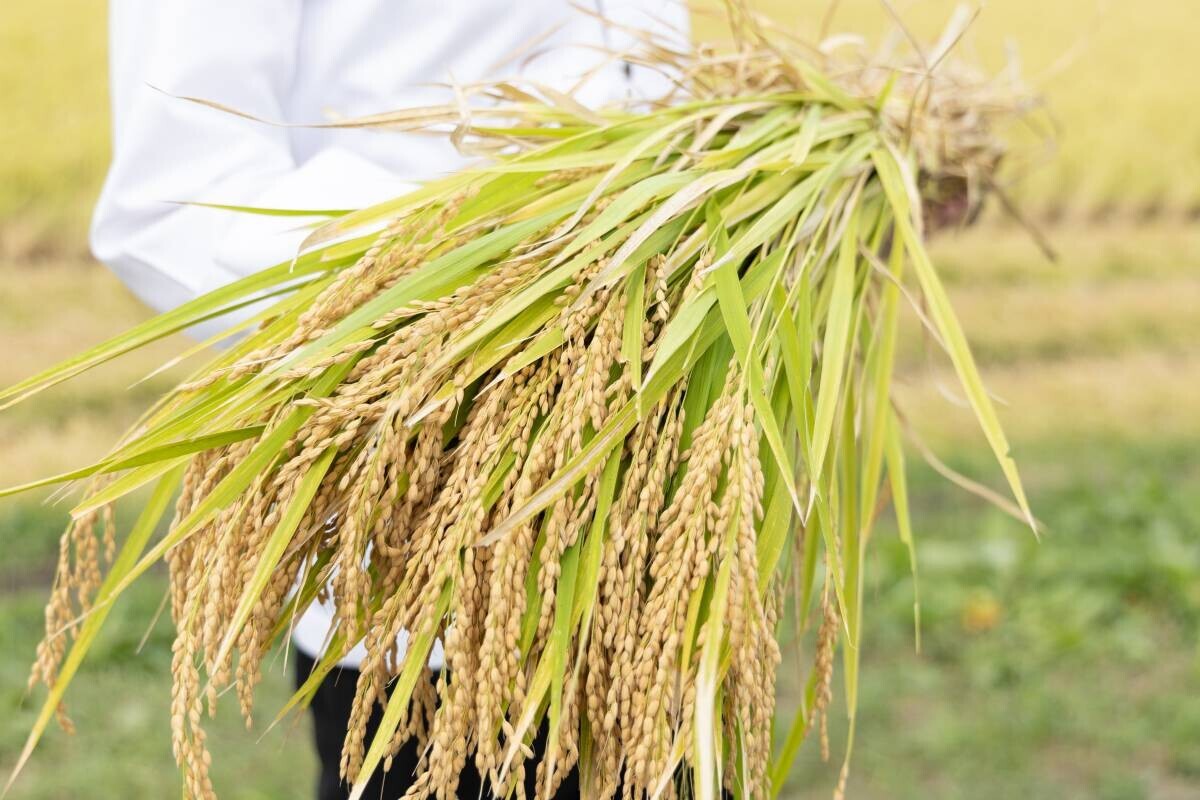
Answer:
x=167 y=150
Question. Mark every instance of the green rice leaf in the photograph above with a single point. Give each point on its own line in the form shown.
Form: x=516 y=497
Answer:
x=210 y=306
x=899 y=483
x=942 y=313
x=835 y=346
x=171 y=452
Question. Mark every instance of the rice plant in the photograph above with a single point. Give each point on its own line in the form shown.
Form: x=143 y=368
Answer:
x=597 y=415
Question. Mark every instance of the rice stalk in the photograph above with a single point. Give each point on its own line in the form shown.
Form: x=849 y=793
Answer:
x=598 y=415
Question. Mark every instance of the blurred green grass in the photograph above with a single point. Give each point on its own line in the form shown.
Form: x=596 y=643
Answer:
x=123 y=747
x=1065 y=668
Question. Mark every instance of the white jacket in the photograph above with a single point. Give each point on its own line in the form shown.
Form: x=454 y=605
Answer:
x=298 y=61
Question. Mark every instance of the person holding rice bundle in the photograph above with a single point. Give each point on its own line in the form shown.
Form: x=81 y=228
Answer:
x=541 y=461
x=297 y=62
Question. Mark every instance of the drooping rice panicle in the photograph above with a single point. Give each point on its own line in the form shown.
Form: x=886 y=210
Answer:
x=599 y=416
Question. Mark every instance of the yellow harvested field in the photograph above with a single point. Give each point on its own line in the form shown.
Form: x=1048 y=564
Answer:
x=1144 y=395
x=76 y=422
x=1114 y=290
x=1117 y=76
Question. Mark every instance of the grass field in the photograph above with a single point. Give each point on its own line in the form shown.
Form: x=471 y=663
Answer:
x=1065 y=668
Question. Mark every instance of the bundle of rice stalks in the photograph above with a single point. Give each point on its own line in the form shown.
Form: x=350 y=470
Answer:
x=596 y=416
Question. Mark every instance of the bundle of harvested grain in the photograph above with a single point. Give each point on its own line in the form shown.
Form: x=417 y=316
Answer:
x=596 y=416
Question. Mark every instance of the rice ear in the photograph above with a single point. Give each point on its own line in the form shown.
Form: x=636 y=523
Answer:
x=580 y=415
